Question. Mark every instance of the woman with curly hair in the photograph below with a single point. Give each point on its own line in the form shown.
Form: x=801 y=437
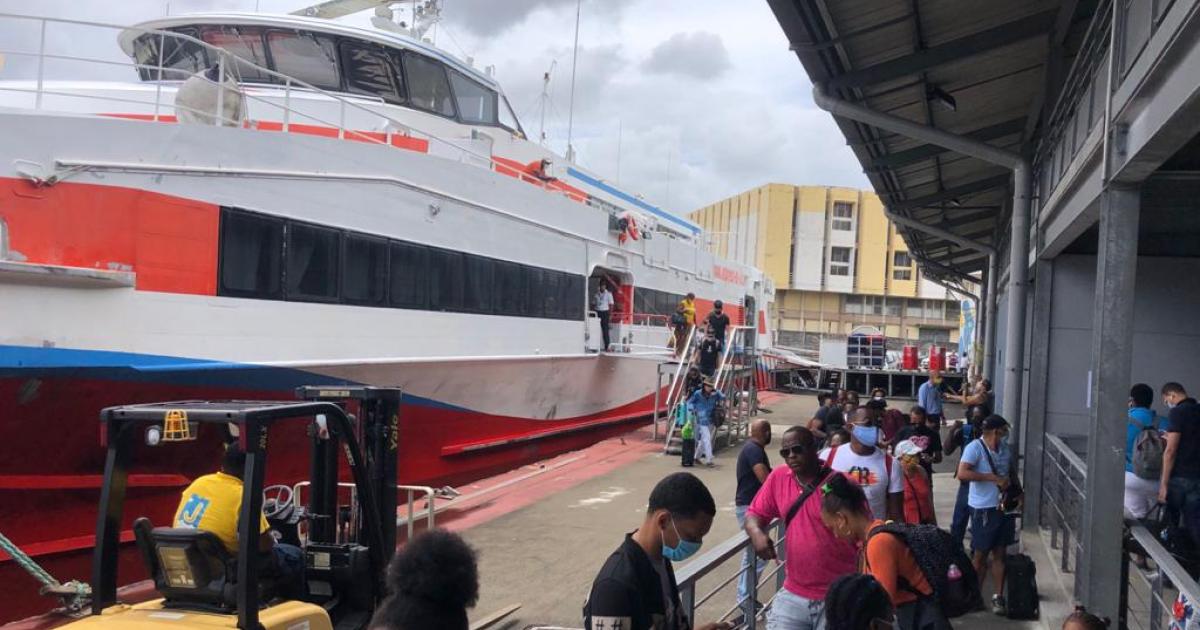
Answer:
x=431 y=582
x=857 y=602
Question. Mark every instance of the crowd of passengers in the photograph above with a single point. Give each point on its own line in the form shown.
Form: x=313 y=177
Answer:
x=850 y=473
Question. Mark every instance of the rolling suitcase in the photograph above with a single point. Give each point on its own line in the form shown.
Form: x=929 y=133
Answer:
x=688 y=450
x=1020 y=587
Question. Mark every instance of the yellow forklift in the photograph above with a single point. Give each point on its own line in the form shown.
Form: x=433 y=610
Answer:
x=202 y=585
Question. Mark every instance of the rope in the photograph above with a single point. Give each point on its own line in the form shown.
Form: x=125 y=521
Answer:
x=25 y=562
x=73 y=594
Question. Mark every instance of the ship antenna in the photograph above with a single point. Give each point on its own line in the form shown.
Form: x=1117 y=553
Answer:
x=545 y=101
x=571 y=107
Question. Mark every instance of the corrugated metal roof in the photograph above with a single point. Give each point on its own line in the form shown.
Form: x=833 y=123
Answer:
x=895 y=56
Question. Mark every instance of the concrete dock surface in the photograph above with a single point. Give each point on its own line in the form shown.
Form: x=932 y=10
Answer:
x=542 y=532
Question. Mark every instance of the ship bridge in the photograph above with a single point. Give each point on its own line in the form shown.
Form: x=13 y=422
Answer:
x=1047 y=151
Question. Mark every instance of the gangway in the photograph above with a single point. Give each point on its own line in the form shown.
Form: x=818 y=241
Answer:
x=735 y=378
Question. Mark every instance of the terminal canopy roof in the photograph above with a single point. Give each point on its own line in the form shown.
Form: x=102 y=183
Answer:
x=972 y=67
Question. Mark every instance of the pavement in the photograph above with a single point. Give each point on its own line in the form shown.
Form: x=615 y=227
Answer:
x=543 y=531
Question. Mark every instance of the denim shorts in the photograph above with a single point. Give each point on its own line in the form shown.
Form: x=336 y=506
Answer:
x=991 y=529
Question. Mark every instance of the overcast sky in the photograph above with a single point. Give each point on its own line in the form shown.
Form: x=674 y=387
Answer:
x=704 y=94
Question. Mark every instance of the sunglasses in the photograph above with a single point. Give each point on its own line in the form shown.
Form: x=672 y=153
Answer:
x=791 y=450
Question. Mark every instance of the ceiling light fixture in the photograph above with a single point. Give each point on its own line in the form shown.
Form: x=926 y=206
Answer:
x=937 y=95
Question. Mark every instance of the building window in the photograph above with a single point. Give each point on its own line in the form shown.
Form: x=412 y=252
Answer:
x=892 y=306
x=839 y=261
x=901 y=266
x=915 y=308
x=952 y=310
x=853 y=305
x=843 y=216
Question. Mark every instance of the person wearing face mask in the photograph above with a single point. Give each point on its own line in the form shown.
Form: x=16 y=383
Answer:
x=1179 y=487
x=985 y=464
x=885 y=556
x=816 y=557
x=636 y=589
x=865 y=463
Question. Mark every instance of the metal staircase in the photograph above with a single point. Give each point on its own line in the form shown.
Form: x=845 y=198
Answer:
x=734 y=378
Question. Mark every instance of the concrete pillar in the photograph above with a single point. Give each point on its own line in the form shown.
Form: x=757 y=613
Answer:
x=1035 y=413
x=989 y=331
x=1112 y=357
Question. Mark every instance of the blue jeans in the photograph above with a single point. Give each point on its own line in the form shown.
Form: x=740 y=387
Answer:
x=962 y=512
x=789 y=611
x=286 y=565
x=1183 y=499
x=744 y=583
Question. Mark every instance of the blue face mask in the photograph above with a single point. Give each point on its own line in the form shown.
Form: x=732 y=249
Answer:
x=866 y=435
x=681 y=552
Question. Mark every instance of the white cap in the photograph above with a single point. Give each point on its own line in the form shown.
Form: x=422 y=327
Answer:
x=908 y=447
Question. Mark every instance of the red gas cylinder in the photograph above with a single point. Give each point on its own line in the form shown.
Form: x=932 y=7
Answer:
x=909 y=360
x=937 y=358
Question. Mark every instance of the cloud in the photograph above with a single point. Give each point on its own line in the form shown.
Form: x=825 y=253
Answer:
x=489 y=17
x=699 y=55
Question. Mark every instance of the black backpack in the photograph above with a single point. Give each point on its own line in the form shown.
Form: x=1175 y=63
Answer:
x=718 y=414
x=936 y=552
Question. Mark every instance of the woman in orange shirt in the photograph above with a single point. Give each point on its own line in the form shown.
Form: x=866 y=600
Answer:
x=845 y=512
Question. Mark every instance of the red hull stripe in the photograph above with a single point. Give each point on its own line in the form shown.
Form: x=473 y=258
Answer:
x=513 y=168
x=83 y=482
x=399 y=141
x=62 y=545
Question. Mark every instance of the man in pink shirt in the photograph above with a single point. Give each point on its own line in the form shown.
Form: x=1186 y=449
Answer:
x=814 y=556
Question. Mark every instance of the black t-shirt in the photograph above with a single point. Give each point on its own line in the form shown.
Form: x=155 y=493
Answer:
x=628 y=593
x=821 y=414
x=834 y=420
x=747 y=482
x=1184 y=419
x=718 y=324
x=709 y=351
x=935 y=442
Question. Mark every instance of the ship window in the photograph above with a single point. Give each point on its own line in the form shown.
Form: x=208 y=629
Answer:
x=427 y=85
x=365 y=272
x=573 y=296
x=373 y=71
x=447 y=280
x=312 y=267
x=246 y=44
x=510 y=288
x=507 y=117
x=552 y=293
x=478 y=297
x=476 y=103
x=180 y=58
x=251 y=254
x=409 y=275
x=535 y=292
x=305 y=56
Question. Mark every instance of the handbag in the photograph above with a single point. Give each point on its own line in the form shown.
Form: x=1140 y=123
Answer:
x=1010 y=497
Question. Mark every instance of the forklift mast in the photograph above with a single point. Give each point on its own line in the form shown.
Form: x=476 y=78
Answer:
x=377 y=421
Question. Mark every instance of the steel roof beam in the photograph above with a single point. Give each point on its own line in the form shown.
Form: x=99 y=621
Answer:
x=964 y=47
x=961 y=190
x=926 y=151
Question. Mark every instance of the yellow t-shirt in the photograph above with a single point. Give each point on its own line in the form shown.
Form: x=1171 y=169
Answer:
x=689 y=311
x=212 y=503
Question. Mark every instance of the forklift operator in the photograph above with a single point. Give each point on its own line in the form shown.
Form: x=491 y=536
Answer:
x=212 y=502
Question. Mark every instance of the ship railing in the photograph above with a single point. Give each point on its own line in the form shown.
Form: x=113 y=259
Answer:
x=411 y=494
x=230 y=64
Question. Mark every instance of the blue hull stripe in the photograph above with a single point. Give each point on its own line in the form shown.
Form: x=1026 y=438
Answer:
x=624 y=196
x=31 y=362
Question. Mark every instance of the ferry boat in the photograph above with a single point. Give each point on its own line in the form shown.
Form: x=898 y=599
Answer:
x=271 y=201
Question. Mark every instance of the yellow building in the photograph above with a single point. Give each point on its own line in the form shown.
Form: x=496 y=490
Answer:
x=837 y=263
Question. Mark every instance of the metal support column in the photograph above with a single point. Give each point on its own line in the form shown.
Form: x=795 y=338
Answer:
x=1018 y=283
x=989 y=330
x=1112 y=357
x=1035 y=415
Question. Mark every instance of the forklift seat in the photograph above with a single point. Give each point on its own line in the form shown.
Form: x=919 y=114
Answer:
x=191 y=567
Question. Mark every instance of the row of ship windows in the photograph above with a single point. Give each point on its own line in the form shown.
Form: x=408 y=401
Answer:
x=330 y=63
x=267 y=257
